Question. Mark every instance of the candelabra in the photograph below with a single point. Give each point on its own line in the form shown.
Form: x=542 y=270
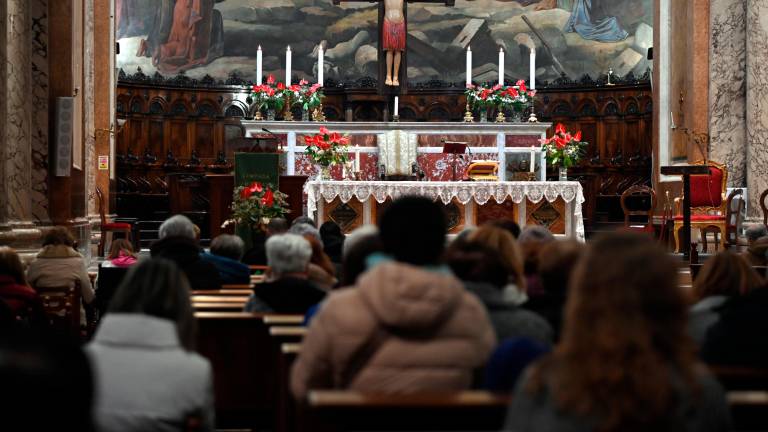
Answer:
x=468 y=117
x=532 y=118
x=396 y=118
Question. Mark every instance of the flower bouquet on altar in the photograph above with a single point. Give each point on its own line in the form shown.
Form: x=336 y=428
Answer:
x=306 y=96
x=481 y=98
x=326 y=149
x=563 y=149
x=255 y=205
x=270 y=96
x=515 y=98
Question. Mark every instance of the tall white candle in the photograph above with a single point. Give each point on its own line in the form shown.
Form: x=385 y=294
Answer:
x=288 y=66
x=533 y=158
x=501 y=66
x=259 y=72
x=397 y=102
x=320 y=66
x=357 y=158
x=533 y=68
x=469 y=66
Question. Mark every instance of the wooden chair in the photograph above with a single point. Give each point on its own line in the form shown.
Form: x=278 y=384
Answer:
x=708 y=202
x=447 y=411
x=634 y=193
x=735 y=206
x=109 y=227
x=62 y=307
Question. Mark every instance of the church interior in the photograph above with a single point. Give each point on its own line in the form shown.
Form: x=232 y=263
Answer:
x=531 y=215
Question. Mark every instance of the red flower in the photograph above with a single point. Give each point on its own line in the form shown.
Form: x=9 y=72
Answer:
x=324 y=130
x=532 y=93
x=245 y=193
x=496 y=87
x=303 y=82
x=521 y=84
x=314 y=88
x=270 y=79
x=560 y=128
x=280 y=86
x=295 y=88
x=577 y=137
x=335 y=137
x=511 y=91
x=470 y=86
x=560 y=142
x=308 y=140
x=485 y=93
x=256 y=187
x=344 y=140
x=268 y=199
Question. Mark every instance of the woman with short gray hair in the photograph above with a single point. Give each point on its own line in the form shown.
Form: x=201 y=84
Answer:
x=286 y=288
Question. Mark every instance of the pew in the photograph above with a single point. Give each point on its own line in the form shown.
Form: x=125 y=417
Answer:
x=741 y=378
x=284 y=319
x=288 y=332
x=749 y=410
x=223 y=292
x=238 y=346
x=286 y=406
x=696 y=268
x=219 y=299
x=332 y=410
x=246 y=287
x=217 y=307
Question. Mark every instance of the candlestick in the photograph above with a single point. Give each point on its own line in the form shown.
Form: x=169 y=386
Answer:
x=259 y=73
x=469 y=66
x=533 y=158
x=397 y=102
x=357 y=157
x=288 y=66
x=533 y=69
x=320 y=66
x=501 y=66
x=672 y=119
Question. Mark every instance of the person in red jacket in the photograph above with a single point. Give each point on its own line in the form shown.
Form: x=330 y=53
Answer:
x=14 y=290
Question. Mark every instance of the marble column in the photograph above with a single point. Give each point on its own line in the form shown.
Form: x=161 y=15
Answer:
x=89 y=129
x=757 y=101
x=23 y=135
x=727 y=88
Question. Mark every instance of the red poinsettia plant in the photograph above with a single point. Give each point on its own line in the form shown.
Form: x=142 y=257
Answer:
x=515 y=97
x=270 y=95
x=563 y=148
x=305 y=95
x=255 y=204
x=327 y=148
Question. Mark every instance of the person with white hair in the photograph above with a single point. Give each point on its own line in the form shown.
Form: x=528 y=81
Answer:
x=286 y=288
x=178 y=243
x=226 y=252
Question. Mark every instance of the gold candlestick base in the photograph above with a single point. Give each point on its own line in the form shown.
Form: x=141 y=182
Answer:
x=258 y=116
x=468 y=117
x=500 y=118
x=288 y=115
x=531 y=176
x=317 y=114
x=532 y=118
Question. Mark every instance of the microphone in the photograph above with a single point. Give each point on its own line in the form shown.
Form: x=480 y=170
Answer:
x=277 y=138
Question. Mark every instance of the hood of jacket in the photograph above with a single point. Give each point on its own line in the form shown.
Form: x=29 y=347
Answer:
x=9 y=287
x=182 y=250
x=403 y=296
x=58 y=251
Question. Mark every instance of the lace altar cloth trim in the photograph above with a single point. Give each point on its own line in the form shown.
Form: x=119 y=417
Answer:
x=464 y=192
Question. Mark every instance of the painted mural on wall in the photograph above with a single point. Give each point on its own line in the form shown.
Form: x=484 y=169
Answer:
x=220 y=37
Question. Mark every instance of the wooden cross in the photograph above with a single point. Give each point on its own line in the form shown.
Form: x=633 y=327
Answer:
x=403 y=70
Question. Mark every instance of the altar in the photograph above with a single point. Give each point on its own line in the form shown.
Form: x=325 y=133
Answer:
x=555 y=205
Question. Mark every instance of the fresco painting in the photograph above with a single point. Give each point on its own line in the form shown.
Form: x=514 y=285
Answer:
x=220 y=37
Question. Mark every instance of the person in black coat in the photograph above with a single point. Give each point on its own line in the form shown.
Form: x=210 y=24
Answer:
x=287 y=288
x=178 y=244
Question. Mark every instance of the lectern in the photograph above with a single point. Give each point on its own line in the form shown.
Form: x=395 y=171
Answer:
x=686 y=171
x=455 y=148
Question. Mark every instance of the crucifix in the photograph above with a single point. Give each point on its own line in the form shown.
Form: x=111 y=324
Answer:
x=393 y=32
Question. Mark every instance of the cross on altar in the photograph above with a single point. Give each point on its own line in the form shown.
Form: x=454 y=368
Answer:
x=393 y=34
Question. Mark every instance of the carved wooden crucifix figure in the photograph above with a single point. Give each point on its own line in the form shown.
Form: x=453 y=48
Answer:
x=393 y=32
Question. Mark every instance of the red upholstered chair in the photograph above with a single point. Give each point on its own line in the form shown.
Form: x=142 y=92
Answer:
x=107 y=227
x=708 y=202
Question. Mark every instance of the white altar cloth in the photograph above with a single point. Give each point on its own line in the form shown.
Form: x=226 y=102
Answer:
x=481 y=192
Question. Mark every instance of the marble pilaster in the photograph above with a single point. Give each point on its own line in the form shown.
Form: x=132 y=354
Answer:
x=89 y=129
x=727 y=88
x=39 y=98
x=3 y=115
x=757 y=101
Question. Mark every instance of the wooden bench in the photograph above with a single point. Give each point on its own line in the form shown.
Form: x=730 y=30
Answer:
x=238 y=346
x=450 y=411
x=219 y=299
x=223 y=292
x=217 y=307
x=749 y=410
x=246 y=287
x=284 y=319
x=288 y=332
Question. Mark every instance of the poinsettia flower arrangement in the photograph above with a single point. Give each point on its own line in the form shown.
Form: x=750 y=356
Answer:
x=307 y=96
x=327 y=148
x=482 y=97
x=255 y=204
x=270 y=95
x=511 y=97
x=563 y=148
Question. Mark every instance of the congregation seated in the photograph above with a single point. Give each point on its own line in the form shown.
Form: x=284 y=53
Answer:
x=59 y=264
x=257 y=254
x=286 y=288
x=531 y=240
x=333 y=240
x=23 y=303
x=226 y=251
x=504 y=245
x=408 y=324
x=508 y=225
x=555 y=264
x=359 y=245
x=757 y=245
x=625 y=361
x=121 y=253
x=484 y=274
x=177 y=242
x=147 y=376
x=321 y=270
x=722 y=277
